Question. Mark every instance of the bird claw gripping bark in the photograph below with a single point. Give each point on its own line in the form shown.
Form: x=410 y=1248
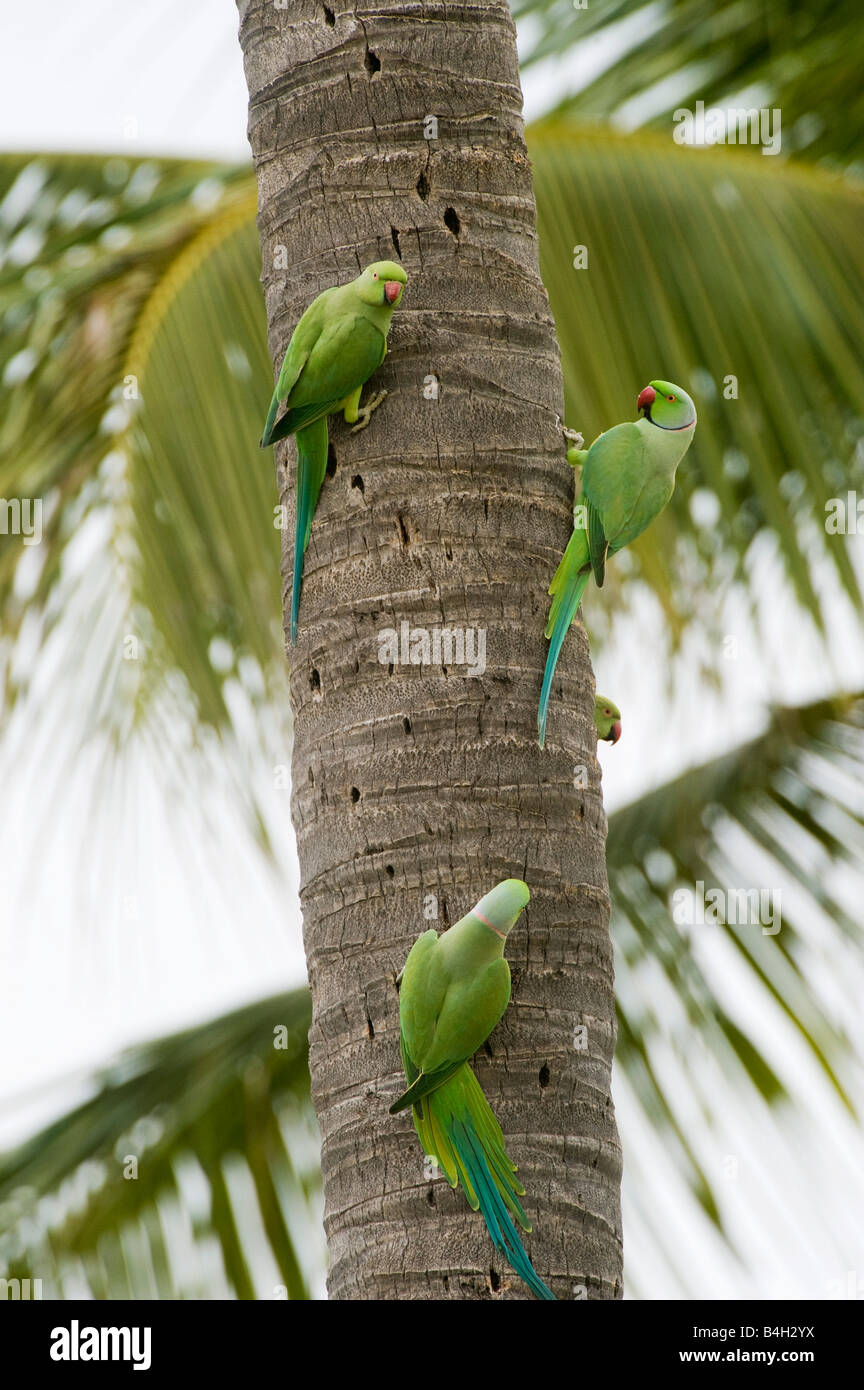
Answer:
x=568 y=434
x=363 y=415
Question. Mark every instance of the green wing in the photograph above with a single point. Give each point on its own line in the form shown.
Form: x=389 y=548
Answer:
x=327 y=359
x=424 y=984
x=345 y=355
x=612 y=481
x=443 y=1021
x=424 y=1083
x=300 y=348
x=296 y=418
x=598 y=546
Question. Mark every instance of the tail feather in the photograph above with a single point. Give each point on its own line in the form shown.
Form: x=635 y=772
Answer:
x=294 y=419
x=457 y=1127
x=267 y=436
x=567 y=588
x=311 y=467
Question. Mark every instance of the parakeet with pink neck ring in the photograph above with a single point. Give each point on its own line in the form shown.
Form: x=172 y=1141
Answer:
x=628 y=476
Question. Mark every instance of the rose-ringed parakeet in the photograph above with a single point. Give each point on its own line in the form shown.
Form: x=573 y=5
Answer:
x=628 y=476
x=607 y=719
x=337 y=345
x=455 y=987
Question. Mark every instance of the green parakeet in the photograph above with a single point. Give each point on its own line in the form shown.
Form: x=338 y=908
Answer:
x=607 y=719
x=455 y=987
x=628 y=476
x=337 y=345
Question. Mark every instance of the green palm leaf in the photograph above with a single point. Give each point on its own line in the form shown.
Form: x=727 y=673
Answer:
x=201 y=1141
x=730 y=824
x=658 y=57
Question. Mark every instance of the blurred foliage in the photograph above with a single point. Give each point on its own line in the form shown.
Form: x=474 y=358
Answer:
x=792 y=799
x=200 y=1143
x=658 y=55
x=93 y=252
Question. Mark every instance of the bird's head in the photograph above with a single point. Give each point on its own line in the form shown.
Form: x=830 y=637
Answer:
x=607 y=718
x=500 y=908
x=667 y=406
x=382 y=284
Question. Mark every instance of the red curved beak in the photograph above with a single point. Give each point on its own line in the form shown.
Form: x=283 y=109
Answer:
x=615 y=731
x=646 y=398
x=392 y=290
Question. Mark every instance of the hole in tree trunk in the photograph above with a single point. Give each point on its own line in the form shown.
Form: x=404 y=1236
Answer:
x=355 y=794
x=331 y=459
x=451 y=221
x=394 y=237
x=372 y=62
x=543 y=1078
x=357 y=482
x=423 y=187
x=315 y=680
x=329 y=16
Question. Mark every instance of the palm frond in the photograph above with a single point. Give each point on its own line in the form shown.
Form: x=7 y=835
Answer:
x=86 y=244
x=201 y=514
x=778 y=823
x=197 y=1144
x=655 y=57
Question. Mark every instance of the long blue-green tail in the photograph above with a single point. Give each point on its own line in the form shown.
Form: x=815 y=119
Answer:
x=567 y=589
x=311 y=467
x=457 y=1127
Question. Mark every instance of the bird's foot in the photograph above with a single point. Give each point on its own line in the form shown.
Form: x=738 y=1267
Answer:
x=365 y=412
x=568 y=434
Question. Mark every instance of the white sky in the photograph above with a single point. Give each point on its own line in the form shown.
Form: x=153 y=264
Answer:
x=116 y=74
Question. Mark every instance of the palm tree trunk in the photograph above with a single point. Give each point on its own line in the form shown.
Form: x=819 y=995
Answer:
x=398 y=134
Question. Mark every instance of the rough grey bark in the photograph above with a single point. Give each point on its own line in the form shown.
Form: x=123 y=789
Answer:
x=416 y=788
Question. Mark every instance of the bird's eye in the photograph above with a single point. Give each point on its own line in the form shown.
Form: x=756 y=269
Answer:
x=374 y=275
x=670 y=398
